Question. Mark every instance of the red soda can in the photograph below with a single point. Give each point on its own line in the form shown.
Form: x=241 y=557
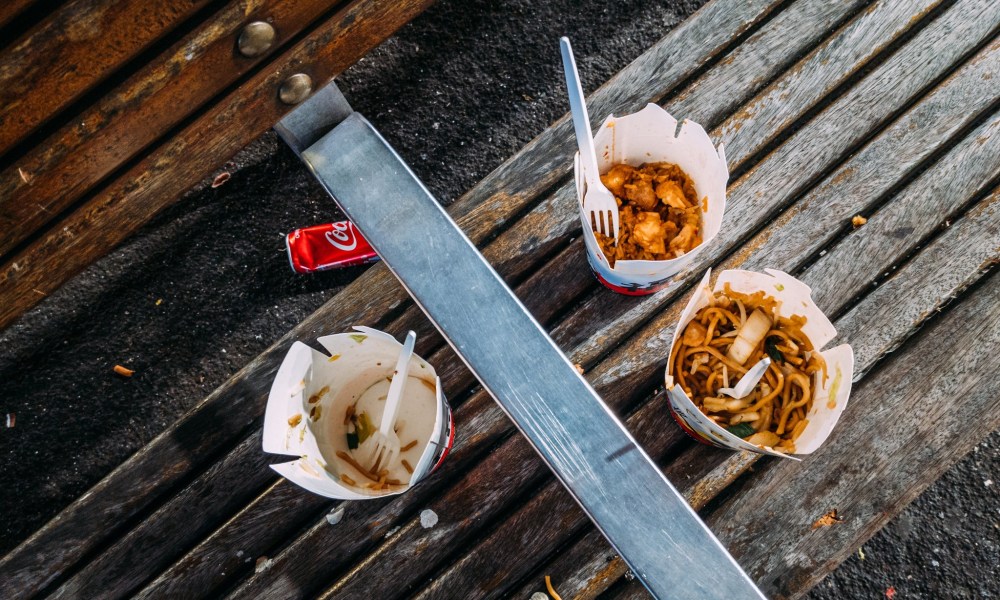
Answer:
x=330 y=246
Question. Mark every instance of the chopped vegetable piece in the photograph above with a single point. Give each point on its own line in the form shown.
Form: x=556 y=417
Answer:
x=753 y=331
x=357 y=337
x=741 y=430
x=364 y=427
x=771 y=347
x=352 y=441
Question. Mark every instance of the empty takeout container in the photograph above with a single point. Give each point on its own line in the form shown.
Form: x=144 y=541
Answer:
x=309 y=399
x=651 y=135
x=794 y=298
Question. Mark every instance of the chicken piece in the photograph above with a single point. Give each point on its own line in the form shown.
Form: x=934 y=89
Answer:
x=640 y=193
x=695 y=334
x=615 y=179
x=685 y=240
x=671 y=194
x=650 y=232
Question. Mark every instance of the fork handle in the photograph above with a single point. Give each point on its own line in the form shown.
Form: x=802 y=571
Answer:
x=578 y=108
x=399 y=376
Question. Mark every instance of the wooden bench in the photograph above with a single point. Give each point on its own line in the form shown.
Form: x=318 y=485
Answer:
x=82 y=168
x=886 y=109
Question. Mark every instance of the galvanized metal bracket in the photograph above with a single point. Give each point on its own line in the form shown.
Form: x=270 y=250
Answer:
x=650 y=524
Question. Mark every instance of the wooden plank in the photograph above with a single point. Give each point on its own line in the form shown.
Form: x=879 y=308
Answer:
x=73 y=50
x=164 y=534
x=58 y=171
x=200 y=433
x=948 y=265
x=156 y=181
x=132 y=199
x=476 y=567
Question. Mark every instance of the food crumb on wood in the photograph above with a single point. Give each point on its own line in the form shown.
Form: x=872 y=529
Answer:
x=827 y=520
x=392 y=531
x=334 y=516
x=428 y=518
x=988 y=482
x=263 y=563
x=120 y=370
x=539 y=596
x=858 y=221
x=220 y=179
x=552 y=590
x=239 y=554
x=890 y=592
x=11 y=419
x=159 y=301
x=861 y=553
x=579 y=368
x=25 y=176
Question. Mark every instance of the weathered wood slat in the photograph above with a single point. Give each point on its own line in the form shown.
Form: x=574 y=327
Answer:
x=158 y=538
x=939 y=272
x=306 y=549
x=133 y=198
x=158 y=180
x=73 y=50
x=958 y=179
x=59 y=170
x=118 y=497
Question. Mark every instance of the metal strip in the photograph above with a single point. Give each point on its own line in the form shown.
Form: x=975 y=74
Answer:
x=653 y=528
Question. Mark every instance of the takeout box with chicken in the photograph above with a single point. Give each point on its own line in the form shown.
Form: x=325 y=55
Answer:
x=748 y=370
x=323 y=407
x=670 y=187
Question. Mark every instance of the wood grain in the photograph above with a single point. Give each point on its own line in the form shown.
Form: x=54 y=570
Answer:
x=73 y=50
x=200 y=433
x=157 y=181
x=135 y=114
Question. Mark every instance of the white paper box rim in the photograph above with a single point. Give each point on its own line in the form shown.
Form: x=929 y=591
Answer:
x=349 y=353
x=651 y=135
x=795 y=298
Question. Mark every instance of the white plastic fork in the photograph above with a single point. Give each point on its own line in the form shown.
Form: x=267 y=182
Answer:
x=598 y=200
x=381 y=448
x=749 y=380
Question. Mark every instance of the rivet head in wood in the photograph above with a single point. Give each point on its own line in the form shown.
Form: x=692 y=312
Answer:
x=255 y=39
x=295 y=89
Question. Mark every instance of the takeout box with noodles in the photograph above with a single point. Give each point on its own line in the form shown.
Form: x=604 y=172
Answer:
x=322 y=406
x=646 y=137
x=803 y=392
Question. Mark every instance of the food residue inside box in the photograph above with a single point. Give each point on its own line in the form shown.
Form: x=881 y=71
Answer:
x=659 y=213
x=726 y=339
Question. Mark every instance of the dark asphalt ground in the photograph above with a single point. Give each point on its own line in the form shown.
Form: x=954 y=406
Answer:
x=205 y=287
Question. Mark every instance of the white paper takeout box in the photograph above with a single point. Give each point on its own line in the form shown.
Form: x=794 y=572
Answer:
x=651 y=135
x=794 y=298
x=356 y=362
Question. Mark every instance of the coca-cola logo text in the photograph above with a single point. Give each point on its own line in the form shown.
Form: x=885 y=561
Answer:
x=342 y=236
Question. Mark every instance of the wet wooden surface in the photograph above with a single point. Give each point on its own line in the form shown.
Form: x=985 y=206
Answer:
x=886 y=109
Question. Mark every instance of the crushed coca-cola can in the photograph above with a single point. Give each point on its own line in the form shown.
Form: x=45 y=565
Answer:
x=330 y=246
